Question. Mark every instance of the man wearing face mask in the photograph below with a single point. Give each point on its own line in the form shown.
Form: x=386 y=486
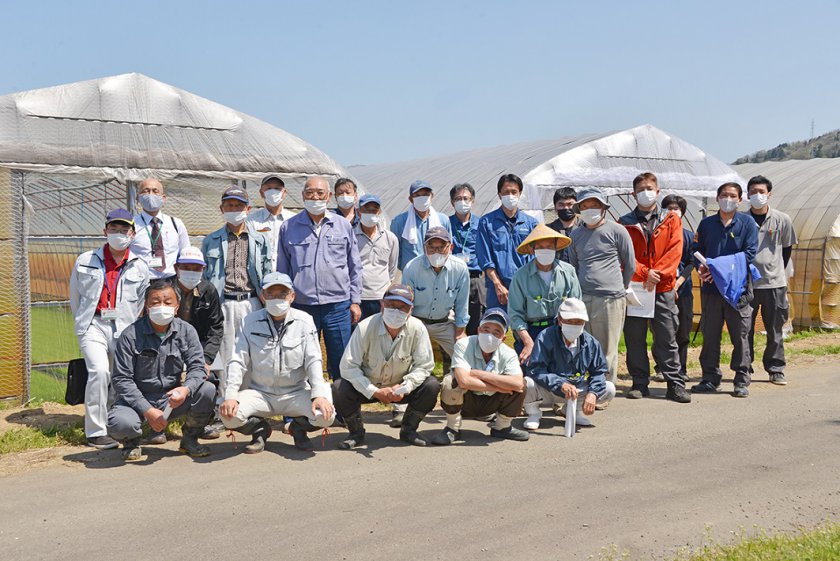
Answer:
x=486 y=380
x=151 y=357
x=237 y=259
x=602 y=254
x=464 y=225
x=276 y=370
x=658 y=244
x=267 y=220
x=389 y=359
x=776 y=239
x=159 y=237
x=379 y=252
x=106 y=296
x=318 y=251
x=411 y=226
x=564 y=205
x=538 y=288
x=345 y=198
x=500 y=232
x=726 y=232
x=567 y=363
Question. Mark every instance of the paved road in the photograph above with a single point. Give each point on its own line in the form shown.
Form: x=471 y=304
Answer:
x=648 y=479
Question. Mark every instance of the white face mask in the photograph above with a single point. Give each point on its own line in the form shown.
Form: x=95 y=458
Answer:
x=591 y=216
x=119 y=241
x=151 y=202
x=162 y=315
x=345 y=201
x=571 y=332
x=437 y=259
x=315 y=208
x=728 y=205
x=759 y=200
x=277 y=307
x=488 y=342
x=463 y=207
x=273 y=197
x=236 y=218
x=510 y=202
x=646 y=198
x=394 y=318
x=190 y=279
x=545 y=256
x=369 y=220
x=422 y=204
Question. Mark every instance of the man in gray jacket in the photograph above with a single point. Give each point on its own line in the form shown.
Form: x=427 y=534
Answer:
x=276 y=369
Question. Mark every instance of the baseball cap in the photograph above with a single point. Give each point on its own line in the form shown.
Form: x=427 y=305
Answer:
x=419 y=184
x=191 y=256
x=268 y=178
x=236 y=193
x=119 y=215
x=572 y=308
x=272 y=279
x=400 y=292
x=369 y=198
x=437 y=233
x=591 y=192
x=496 y=315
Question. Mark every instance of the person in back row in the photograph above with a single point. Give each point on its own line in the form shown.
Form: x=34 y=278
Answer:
x=464 y=223
x=411 y=226
x=159 y=237
x=267 y=220
x=346 y=198
x=379 y=252
x=564 y=205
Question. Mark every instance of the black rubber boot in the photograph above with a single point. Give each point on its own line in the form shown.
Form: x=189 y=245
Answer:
x=357 y=432
x=250 y=426
x=193 y=429
x=300 y=426
x=408 y=432
x=131 y=451
x=259 y=436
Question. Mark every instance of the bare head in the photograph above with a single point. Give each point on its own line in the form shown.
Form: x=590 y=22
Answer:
x=150 y=187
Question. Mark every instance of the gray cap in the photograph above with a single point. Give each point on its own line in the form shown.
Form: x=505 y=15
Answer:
x=272 y=279
x=591 y=192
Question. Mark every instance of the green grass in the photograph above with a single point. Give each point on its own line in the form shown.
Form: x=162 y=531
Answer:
x=53 y=337
x=822 y=350
x=820 y=544
x=47 y=385
x=27 y=438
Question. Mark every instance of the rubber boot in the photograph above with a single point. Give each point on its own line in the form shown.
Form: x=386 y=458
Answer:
x=259 y=436
x=357 y=432
x=193 y=428
x=408 y=432
x=301 y=426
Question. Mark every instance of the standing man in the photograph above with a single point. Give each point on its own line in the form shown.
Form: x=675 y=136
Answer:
x=464 y=225
x=389 y=359
x=237 y=260
x=345 y=198
x=776 y=239
x=106 y=296
x=500 y=232
x=411 y=226
x=318 y=251
x=267 y=220
x=159 y=237
x=602 y=254
x=564 y=205
x=379 y=252
x=276 y=370
x=684 y=285
x=658 y=244
x=725 y=233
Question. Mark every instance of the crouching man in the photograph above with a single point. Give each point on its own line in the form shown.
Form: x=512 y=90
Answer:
x=388 y=359
x=487 y=380
x=276 y=370
x=567 y=363
x=150 y=358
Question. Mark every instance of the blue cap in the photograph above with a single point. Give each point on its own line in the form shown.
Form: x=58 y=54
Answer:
x=369 y=198
x=419 y=184
x=236 y=193
x=401 y=292
x=119 y=215
x=496 y=315
x=272 y=279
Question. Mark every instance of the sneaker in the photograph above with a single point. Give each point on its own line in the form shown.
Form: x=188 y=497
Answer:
x=446 y=437
x=638 y=393
x=740 y=391
x=658 y=377
x=102 y=442
x=155 y=438
x=678 y=394
x=131 y=451
x=582 y=420
x=705 y=387
x=210 y=433
x=510 y=433
x=534 y=415
x=778 y=378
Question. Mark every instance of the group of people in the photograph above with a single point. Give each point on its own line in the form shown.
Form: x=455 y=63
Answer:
x=229 y=335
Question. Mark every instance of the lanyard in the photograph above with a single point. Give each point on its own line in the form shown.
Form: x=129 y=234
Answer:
x=462 y=235
x=112 y=289
x=152 y=240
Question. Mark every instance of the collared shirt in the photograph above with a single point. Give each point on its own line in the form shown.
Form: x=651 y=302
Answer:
x=372 y=360
x=774 y=234
x=530 y=299
x=236 y=265
x=553 y=363
x=603 y=258
x=174 y=235
x=217 y=254
x=498 y=238
x=463 y=240
x=468 y=355
x=408 y=250
x=437 y=294
x=558 y=227
x=113 y=270
x=713 y=239
x=355 y=221
x=269 y=226
x=147 y=366
x=323 y=261
x=379 y=256
x=277 y=362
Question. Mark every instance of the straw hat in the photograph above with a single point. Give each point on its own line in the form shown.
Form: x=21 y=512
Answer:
x=543 y=232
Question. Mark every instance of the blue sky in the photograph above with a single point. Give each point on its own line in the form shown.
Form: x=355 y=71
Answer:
x=371 y=82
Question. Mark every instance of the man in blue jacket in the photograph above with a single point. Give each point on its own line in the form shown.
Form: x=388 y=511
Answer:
x=567 y=363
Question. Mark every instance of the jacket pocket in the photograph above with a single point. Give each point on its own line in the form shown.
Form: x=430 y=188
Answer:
x=292 y=349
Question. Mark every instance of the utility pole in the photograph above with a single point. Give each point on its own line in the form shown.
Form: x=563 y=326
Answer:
x=812 y=128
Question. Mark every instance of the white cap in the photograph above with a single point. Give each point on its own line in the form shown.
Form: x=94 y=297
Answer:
x=572 y=308
x=191 y=255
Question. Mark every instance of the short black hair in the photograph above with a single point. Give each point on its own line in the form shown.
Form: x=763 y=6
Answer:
x=344 y=181
x=675 y=200
x=760 y=180
x=564 y=193
x=508 y=178
x=731 y=184
x=459 y=187
x=161 y=284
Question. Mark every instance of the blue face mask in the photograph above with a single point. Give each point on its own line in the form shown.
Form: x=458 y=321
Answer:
x=150 y=202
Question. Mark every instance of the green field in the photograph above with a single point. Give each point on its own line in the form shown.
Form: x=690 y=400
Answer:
x=820 y=544
x=53 y=339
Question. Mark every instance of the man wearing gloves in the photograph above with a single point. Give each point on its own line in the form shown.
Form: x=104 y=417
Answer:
x=276 y=370
x=567 y=363
x=411 y=226
x=159 y=236
x=486 y=380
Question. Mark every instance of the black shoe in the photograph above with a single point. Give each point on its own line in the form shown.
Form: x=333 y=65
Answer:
x=510 y=433
x=740 y=391
x=396 y=418
x=638 y=392
x=705 y=387
x=778 y=378
x=190 y=446
x=258 y=438
x=684 y=377
x=446 y=437
x=156 y=438
x=678 y=394
x=131 y=451
x=357 y=432
x=210 y=433
x=408 y=432
x=102 y=442
x=300 y=426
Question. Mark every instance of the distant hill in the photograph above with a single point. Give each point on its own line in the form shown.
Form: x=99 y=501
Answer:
x=824 y=146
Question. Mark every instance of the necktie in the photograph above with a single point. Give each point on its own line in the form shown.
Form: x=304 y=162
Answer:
x=157 y=239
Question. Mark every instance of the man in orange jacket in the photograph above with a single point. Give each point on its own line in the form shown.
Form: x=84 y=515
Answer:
x=657 y=243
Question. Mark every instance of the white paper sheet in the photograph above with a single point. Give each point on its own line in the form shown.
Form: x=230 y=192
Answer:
x=646 y=300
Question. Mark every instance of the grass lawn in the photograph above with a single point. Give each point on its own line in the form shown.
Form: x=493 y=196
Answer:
x=53 y=337
x=820 y=544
